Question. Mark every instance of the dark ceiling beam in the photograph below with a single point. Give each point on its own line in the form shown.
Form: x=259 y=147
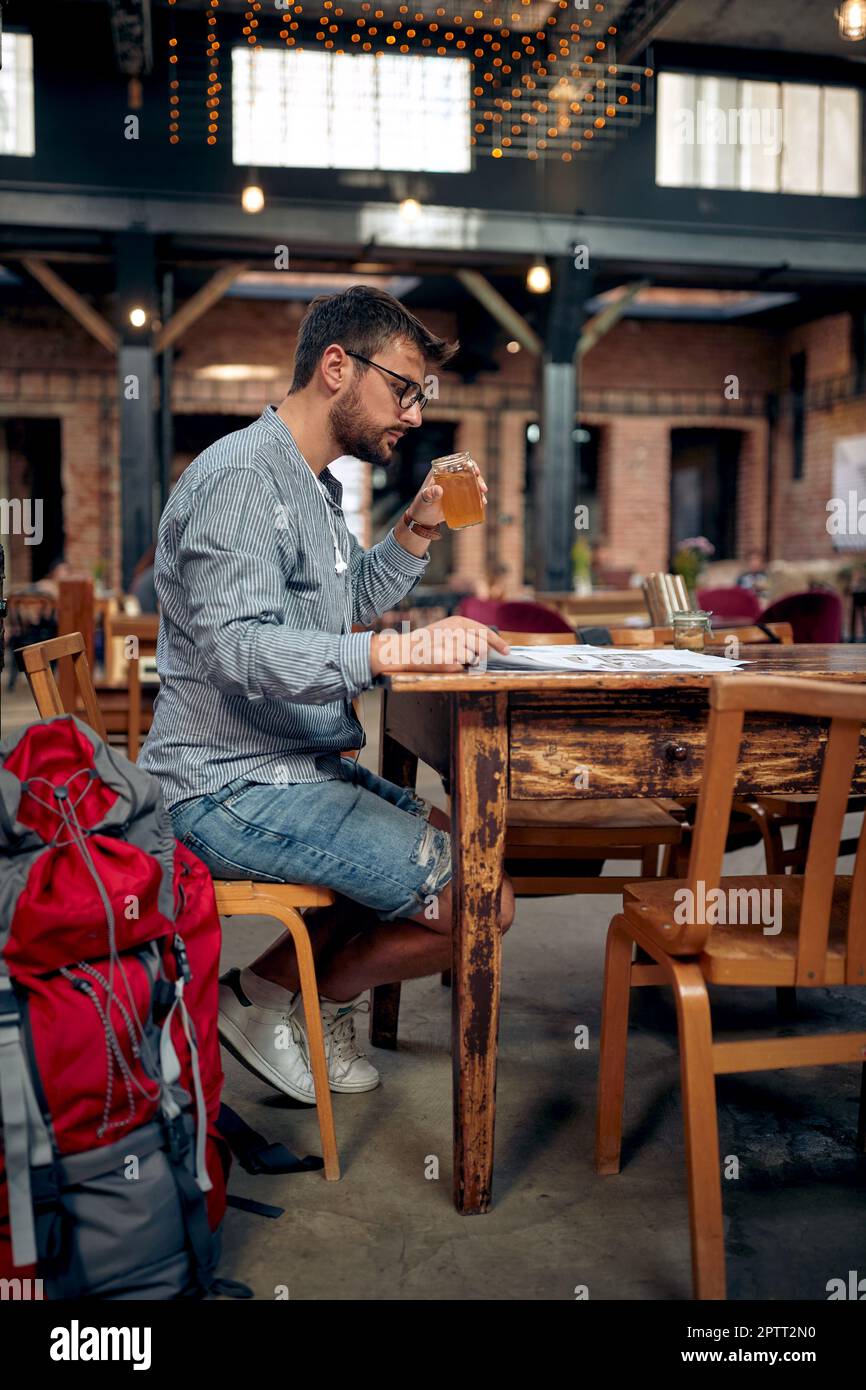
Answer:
x=466 y=236
x=637 y=25
x=133 y=36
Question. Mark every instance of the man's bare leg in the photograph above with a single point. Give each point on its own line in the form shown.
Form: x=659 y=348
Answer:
x=352 y=957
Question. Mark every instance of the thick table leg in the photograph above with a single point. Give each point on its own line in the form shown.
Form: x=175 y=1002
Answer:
x=479 y=776
x=398 y=765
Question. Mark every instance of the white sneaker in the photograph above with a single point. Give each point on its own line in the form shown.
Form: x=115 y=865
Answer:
x=268 y=1042
x=348 y=1069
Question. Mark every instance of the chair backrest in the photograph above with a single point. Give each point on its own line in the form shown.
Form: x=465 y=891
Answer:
x=844 y=705
x=515 y=615
x=71 y=657
x=730 y=601
x=664 y=595
x=144 y=627
x=539 y=639
x=815 y=615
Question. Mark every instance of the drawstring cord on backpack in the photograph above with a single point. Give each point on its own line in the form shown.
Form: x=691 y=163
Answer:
x=168 y=1069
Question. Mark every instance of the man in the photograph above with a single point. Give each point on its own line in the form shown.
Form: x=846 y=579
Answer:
x=756 y=576
x=259 y=582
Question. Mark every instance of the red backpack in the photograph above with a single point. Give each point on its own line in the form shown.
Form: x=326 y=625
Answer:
x=114 y=1177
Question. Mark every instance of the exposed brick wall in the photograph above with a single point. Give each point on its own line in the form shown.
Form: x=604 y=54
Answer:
x=752 y=490
x=653 y=354
x=635 y=501
x=800 y=504
x=52 y=367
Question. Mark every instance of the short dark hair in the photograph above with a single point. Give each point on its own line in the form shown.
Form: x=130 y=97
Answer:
x=362 y=319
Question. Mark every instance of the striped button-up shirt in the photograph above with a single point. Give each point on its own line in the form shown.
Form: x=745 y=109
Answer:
x=256 y=656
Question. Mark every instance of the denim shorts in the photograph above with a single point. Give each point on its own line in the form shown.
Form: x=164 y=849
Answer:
x=360 y=835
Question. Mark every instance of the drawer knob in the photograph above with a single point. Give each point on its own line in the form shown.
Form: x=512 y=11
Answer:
x=676 y=752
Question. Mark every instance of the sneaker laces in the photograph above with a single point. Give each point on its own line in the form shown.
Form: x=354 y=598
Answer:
x=340 y=1033
x=298 y=1035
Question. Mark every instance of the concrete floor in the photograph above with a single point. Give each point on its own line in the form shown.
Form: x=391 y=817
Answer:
x=795 y=1216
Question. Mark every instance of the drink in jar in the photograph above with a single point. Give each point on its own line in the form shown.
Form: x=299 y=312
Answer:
x=461 y=491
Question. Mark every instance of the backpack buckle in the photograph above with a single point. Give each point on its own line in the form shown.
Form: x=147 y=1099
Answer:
x=182 y=958
x=176 y=1137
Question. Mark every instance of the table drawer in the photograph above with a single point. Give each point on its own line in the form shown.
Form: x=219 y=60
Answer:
x=651 y=752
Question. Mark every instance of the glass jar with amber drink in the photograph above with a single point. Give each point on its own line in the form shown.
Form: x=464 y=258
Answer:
x=461 y=492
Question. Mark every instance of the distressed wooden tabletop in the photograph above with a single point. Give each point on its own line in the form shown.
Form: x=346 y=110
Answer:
x=841 y=661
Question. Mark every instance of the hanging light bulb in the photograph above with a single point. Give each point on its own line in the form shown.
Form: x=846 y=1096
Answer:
x=538 y=278
x=137 y=317
x=851 y=17
x=252 y=198
x=410 y=209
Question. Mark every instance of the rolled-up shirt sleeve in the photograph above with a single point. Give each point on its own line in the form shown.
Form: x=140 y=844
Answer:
x=382 y=576
x=230 y=562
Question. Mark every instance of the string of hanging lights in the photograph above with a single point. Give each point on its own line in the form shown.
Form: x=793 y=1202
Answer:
x=544 y=80
x=173 y=82
x=214 y=87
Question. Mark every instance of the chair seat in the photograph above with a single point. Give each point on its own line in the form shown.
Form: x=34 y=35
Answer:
x=238 y=896
x=591 y=823
x=741 y=954
x=801 y=807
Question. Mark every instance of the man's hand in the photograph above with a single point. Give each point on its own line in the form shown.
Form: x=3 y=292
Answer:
x=427 y=506
x=449 y=645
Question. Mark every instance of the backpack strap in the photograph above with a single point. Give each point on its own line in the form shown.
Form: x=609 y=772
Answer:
x=26 y=1138
x=170 y=1066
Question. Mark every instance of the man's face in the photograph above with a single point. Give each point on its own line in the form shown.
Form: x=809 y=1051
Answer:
x=367 y=419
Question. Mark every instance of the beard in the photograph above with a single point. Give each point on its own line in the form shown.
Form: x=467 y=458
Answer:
x=356 y=434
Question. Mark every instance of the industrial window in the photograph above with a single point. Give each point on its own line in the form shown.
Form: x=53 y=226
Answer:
x=759 y=137
x=350 y=111
x=17 y=123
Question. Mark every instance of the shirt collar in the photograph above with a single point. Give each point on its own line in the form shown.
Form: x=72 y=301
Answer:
x=280 y=430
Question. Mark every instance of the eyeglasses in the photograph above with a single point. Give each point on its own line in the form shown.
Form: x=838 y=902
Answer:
x=411 y=393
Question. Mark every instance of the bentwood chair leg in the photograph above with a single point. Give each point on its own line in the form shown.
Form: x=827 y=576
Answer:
x=614 y=1038
x=384 y=1016
x=313 y=1020
x=701 y=1131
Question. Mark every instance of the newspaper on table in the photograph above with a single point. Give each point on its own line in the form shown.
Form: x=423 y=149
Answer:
x=662 y=660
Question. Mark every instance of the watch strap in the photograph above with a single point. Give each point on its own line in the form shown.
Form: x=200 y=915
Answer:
x=429 y=533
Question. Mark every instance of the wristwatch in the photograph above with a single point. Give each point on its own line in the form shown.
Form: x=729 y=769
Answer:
x=428 y=533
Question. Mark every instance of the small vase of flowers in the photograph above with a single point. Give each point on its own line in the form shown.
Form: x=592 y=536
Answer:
x=690 y=561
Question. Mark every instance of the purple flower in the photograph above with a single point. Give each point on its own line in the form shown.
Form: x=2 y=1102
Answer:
x=699 y=544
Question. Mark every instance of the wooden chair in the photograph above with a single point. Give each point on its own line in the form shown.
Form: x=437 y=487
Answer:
x=665 y=594
x=234 y=898
x=144 y=627
x=752 y=821
x=765 y=816
x=77 y=612
x=822 y=943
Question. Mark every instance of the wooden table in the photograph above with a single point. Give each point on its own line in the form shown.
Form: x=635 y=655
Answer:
x=526 y=736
